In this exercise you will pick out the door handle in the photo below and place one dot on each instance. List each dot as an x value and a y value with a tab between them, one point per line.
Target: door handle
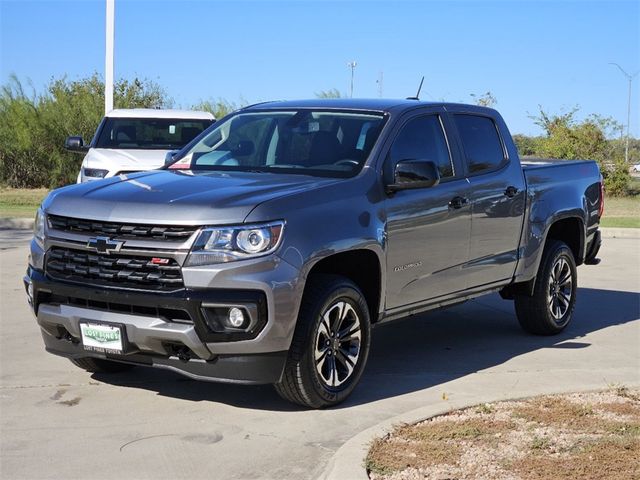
511	191
458	202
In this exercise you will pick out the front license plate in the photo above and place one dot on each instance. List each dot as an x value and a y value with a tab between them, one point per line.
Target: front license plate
99	337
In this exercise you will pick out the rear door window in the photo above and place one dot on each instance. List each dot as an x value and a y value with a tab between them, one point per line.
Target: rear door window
481	142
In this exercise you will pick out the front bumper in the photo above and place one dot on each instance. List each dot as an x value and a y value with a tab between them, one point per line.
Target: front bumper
245	369
186	346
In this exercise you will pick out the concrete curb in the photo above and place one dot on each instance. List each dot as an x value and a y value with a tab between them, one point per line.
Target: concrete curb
349	460
620	232
16	223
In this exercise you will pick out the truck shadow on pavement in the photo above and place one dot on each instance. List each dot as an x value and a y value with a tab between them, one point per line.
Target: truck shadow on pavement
418	353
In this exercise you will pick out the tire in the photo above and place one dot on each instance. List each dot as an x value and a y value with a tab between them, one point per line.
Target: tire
322	369
549	310
98	365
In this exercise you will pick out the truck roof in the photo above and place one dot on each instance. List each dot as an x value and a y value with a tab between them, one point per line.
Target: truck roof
372	104
160	113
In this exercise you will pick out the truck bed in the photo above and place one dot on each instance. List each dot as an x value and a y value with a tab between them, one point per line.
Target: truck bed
532	163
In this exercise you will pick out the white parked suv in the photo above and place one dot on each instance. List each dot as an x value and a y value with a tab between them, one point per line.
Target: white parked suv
131	140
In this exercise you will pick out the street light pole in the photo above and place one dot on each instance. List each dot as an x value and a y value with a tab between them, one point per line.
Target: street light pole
353	66
108	57
630	79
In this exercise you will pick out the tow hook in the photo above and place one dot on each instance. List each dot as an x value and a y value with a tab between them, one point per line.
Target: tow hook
184	355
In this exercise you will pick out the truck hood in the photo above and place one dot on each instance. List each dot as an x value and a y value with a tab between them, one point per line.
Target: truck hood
115	159
177	197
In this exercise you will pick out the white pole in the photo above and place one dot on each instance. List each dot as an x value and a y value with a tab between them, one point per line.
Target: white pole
630	78
108	58
352	65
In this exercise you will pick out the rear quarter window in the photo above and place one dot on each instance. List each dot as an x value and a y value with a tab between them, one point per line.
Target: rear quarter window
481	142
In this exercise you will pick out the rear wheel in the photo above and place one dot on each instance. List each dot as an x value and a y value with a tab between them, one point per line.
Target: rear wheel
98	365
549	310
330	346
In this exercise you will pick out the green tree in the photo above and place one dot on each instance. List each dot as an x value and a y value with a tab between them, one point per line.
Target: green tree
218	107
33	127
331	93
485	100
568	138
527	146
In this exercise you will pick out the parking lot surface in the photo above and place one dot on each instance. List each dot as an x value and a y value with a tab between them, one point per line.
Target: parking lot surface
57	421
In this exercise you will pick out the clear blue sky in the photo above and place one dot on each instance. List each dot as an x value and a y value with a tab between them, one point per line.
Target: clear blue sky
526	53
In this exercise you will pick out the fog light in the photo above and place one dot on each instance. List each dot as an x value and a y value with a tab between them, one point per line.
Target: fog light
236	317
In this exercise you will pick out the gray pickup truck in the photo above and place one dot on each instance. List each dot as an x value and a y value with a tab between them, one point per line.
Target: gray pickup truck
275	240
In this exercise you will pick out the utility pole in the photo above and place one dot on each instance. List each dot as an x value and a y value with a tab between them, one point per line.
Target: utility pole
108	57
352	65
630	79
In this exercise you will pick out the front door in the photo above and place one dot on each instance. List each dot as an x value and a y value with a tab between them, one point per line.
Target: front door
428	229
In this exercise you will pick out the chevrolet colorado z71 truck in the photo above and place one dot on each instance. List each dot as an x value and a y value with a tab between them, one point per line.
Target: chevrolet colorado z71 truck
277	238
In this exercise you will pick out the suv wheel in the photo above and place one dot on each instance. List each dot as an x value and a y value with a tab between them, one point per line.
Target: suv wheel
330	346
550	308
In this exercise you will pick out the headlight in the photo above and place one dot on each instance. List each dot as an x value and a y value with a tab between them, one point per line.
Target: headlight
227	244
94	172
38	227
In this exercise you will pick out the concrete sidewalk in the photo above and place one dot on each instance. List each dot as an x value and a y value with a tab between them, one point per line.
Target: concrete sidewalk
61	422
579	372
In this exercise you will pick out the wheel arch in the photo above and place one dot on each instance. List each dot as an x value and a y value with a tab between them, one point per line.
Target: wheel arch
569	229
363	267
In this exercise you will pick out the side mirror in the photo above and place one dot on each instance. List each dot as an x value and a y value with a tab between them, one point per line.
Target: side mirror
414	174
244	148
170	156
75	144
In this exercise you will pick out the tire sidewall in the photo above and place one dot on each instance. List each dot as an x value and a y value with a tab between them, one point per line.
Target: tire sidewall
559	250
353	296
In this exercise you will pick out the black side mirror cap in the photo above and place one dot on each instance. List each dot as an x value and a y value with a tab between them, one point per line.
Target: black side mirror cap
414	174
75	144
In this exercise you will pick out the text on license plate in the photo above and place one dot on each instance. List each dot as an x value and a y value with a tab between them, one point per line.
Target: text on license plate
100	337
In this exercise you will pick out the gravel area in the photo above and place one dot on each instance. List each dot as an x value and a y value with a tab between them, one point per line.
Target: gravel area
584	435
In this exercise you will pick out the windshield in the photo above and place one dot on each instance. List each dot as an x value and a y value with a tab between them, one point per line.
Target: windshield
322	143
149	133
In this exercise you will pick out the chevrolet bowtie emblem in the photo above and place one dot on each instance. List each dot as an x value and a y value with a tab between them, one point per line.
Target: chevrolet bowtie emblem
104	245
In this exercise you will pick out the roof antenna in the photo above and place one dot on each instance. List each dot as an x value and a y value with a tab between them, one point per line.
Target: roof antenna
417	97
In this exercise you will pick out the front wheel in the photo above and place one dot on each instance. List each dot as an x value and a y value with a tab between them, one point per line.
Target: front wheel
549	310
330	345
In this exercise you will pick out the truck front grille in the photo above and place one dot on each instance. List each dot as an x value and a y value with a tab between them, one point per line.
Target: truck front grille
170	314
114	270
121	230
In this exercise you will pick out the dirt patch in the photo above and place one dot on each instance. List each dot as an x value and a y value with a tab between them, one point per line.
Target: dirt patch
586	436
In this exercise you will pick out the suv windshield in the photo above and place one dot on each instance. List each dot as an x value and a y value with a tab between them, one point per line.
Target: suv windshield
149	133
323	143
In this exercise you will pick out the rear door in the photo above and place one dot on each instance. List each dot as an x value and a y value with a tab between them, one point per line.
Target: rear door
497	197
427	229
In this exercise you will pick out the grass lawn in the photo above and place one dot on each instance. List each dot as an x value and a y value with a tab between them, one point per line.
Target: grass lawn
20	202
621	212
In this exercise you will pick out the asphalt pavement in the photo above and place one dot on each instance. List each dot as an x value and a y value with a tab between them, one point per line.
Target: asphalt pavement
57	421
